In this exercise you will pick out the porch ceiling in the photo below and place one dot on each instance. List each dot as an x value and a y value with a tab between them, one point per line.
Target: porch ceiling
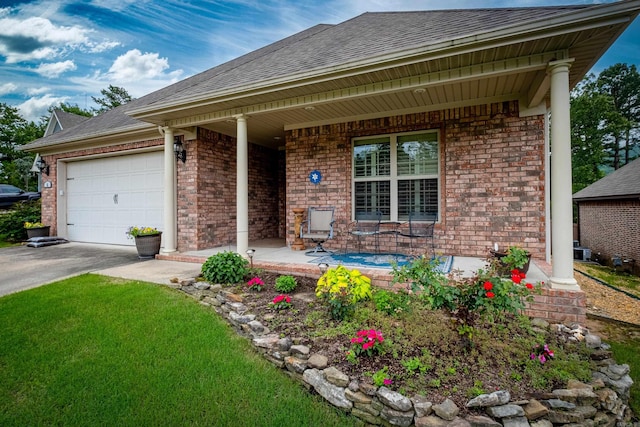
424	81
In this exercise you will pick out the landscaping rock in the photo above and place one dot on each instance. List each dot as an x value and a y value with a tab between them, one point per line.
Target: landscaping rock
576	395
515	422
238	307
505	411
542	423
335	376
558	404
317	361
431	421
200	285
300	351
446	410
241	319
284	344
332	393
266	341
397	418
394	400
357	397
258	328
500	397
459	422
622	386
366	416
480	421
368	389
592	341
295	364
534	410
421	405
565	417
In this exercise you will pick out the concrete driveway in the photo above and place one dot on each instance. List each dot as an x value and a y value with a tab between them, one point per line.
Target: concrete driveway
23	268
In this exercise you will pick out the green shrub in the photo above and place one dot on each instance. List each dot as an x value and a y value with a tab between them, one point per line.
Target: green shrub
12	221
225	268
286	284
343	288
391	303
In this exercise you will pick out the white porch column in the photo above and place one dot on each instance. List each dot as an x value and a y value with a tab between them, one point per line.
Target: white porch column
169	233
242	186
561	203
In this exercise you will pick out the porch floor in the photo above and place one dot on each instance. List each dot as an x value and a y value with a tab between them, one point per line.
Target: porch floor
274	255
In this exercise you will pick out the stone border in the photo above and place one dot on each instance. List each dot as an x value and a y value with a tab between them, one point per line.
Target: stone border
602	402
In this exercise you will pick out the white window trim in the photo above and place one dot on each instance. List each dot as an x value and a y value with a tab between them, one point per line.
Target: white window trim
394	178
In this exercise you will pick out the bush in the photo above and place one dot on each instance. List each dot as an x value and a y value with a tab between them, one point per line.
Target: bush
343	288
225	268
286	284
391	303
12	222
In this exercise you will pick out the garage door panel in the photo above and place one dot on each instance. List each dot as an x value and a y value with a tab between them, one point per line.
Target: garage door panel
108	195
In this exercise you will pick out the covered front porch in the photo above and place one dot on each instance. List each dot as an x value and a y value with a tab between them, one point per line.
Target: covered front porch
274	255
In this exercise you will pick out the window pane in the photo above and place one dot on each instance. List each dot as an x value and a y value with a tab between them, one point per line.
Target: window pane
418	154
372	158
418	195
373	196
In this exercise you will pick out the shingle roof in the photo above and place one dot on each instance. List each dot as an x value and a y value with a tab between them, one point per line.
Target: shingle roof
621	184
321	47
69	120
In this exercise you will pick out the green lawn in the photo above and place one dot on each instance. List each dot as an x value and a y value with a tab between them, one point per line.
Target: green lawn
93	350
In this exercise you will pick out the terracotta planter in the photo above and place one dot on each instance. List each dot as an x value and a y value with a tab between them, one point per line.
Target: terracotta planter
148	246
38	231
505	269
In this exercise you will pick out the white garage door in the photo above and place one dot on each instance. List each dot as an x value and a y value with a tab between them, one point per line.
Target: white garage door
106	196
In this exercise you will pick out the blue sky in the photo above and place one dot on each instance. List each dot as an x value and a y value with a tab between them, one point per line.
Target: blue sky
67	51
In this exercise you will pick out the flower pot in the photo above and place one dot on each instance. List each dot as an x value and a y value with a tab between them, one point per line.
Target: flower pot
148	246
505	270
38	231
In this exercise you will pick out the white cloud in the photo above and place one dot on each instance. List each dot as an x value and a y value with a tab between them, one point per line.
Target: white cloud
55	69
34	108
37	90
134	65
101	47
7	88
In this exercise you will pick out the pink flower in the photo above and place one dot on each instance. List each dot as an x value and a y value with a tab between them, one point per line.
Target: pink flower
367	345
387	381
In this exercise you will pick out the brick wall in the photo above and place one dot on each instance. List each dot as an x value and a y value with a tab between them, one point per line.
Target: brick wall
207	193
611	228
492	177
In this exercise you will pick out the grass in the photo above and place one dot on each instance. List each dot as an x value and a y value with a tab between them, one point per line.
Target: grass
626	351
93	350
618	279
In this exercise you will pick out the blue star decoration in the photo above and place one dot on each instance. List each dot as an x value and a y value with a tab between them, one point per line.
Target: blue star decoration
315	177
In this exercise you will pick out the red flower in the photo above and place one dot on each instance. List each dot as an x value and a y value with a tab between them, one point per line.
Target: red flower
516	278
488	286
490	295
529	286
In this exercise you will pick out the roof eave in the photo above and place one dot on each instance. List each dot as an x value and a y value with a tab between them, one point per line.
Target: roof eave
598	16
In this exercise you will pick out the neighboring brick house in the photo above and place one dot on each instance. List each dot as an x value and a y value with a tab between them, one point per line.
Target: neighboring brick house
433	111
609	217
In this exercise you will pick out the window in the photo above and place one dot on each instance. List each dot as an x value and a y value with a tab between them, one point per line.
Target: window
396	175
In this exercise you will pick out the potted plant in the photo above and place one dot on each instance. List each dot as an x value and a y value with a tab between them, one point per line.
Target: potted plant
514	257
36	229
147	241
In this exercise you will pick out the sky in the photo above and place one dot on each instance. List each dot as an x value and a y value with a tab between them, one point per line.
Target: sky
68	50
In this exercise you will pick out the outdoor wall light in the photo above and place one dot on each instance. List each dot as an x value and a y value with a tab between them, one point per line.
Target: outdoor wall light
43	166
250	253
179	150
323	267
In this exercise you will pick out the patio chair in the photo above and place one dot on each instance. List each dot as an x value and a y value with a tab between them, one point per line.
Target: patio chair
367	224
318	227
420	226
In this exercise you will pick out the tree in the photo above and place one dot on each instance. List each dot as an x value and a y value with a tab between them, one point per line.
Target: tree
621	83
14	132
113	97
74	109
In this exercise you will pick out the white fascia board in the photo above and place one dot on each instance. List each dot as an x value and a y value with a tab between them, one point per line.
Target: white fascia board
597	16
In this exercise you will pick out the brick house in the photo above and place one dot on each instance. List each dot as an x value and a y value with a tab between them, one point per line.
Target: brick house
609	217
443	111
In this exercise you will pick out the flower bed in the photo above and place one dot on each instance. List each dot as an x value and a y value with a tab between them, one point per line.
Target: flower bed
304	340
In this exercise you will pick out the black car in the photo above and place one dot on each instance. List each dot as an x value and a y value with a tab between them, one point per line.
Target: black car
10	194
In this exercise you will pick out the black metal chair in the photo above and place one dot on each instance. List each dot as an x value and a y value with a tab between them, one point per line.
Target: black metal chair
318	227
367	224
420	226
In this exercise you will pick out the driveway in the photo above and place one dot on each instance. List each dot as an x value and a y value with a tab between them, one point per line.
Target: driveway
22	267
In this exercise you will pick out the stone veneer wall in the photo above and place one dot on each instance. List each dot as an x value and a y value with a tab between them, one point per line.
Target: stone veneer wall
611	227
492	175
602	402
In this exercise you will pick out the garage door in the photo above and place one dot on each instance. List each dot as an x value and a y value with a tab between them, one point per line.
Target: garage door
106	196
